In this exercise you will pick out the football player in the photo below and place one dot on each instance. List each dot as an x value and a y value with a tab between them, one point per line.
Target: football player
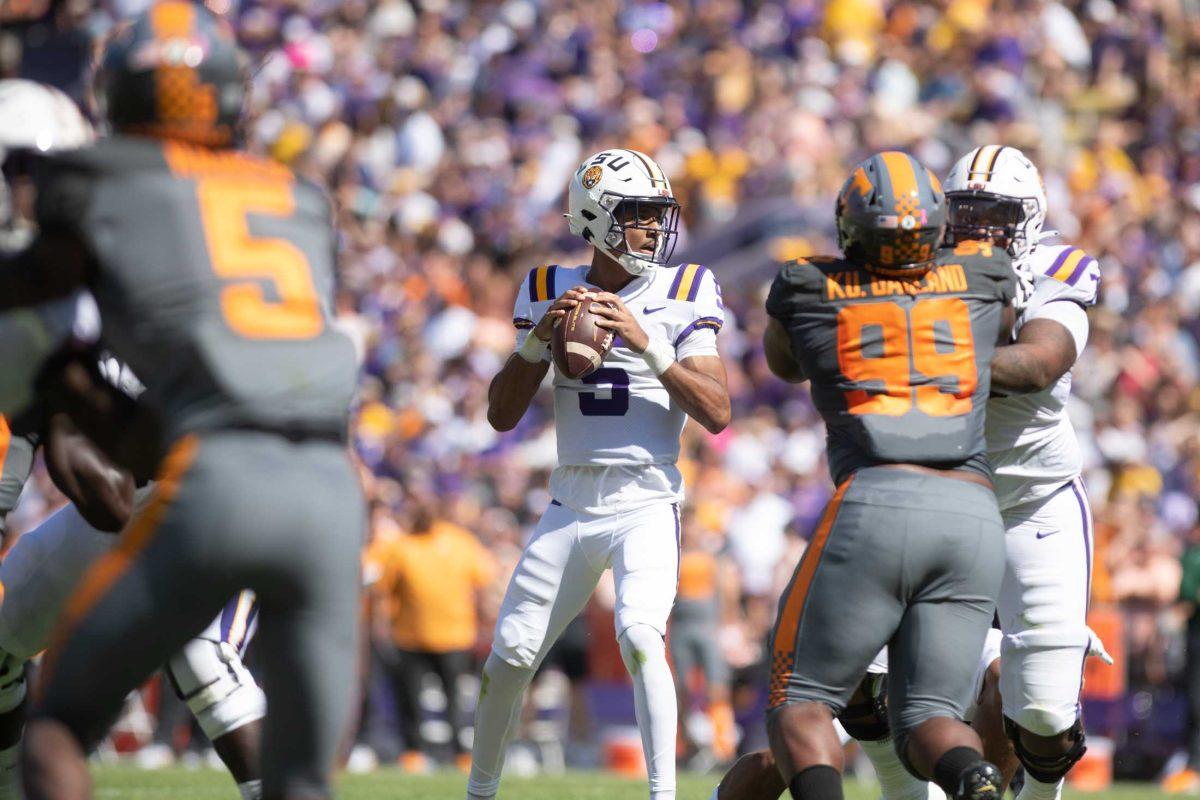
995	195
616	490
896	338
42	569
213	273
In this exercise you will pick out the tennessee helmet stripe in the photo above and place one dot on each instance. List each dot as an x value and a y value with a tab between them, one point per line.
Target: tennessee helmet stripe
902	176
788	627
1069	264
683	282
172	19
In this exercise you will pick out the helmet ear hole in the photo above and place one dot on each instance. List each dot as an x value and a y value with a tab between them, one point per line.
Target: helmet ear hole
588	215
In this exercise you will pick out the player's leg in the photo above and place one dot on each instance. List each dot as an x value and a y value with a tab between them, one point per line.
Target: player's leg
866	721
988	722
126	618
38	575
645	562
209	676
550	586
1043	612
955	568
842	605
305	521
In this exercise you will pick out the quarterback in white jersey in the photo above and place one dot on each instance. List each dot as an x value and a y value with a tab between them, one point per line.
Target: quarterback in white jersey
616	490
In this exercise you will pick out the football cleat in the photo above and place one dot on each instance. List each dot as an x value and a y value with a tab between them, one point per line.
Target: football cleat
981	782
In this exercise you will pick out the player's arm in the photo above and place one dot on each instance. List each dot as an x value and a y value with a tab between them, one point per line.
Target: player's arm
514	386
101	491
50	268
777	346
1044	351
125	431
697	383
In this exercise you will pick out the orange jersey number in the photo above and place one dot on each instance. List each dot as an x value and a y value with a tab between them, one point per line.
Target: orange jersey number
908	350
247	261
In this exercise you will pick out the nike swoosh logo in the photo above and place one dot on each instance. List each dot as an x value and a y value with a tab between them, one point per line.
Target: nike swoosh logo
1044	534
649	310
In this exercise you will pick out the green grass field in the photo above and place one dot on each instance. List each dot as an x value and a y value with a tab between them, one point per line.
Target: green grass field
128	783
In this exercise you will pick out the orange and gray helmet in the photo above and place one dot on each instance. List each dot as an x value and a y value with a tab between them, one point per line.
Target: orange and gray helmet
174	72
891	213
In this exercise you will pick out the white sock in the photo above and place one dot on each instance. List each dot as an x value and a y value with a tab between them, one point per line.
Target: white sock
895	782
251	790
496	716
1036	790
645	657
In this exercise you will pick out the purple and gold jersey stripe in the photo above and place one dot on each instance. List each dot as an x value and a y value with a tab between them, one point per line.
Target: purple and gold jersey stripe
687	282
712	323
236	618
541	284
522	324
1070	266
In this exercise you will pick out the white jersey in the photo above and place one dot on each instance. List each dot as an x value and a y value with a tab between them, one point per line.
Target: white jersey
1031	442
617	428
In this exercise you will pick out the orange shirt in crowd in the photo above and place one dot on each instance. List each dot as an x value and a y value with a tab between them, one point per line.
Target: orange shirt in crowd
431	581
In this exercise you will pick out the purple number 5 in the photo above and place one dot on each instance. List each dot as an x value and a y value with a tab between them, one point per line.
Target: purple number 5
616	381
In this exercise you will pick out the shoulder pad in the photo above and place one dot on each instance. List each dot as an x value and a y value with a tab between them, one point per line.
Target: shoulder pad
539	286
1070	272
686	283
801	282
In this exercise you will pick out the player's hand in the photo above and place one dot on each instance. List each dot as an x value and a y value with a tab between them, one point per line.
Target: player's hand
558	309
1096	648
618	319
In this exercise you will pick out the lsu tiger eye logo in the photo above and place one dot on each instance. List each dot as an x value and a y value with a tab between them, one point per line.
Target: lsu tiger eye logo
591	176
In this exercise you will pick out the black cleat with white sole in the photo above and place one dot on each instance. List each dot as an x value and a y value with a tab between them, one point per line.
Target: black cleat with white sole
981	782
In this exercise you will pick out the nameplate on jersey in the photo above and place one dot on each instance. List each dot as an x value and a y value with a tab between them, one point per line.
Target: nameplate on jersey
849	285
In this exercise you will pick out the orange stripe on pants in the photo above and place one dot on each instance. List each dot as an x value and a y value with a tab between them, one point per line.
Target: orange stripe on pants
105	573
788	626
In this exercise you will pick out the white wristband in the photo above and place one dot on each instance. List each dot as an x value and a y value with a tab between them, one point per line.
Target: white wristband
533	349
659	356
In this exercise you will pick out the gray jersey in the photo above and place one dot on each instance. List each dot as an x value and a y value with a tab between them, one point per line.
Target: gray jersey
899	366
214	274
18	442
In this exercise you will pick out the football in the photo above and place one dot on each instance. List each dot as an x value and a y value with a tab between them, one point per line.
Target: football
579	345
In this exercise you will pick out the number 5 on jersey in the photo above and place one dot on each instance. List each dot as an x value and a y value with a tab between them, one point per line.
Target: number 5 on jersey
247	261
907	362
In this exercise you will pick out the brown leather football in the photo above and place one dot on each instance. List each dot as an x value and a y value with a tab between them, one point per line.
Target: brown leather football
579	345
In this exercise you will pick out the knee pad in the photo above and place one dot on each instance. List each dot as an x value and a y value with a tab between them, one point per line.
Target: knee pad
1048	769
1045	721
640	644
868	721
218	689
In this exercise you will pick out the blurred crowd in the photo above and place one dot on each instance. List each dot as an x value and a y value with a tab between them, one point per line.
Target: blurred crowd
446	130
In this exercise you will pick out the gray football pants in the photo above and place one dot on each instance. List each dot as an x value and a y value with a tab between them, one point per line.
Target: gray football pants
903	559
230	510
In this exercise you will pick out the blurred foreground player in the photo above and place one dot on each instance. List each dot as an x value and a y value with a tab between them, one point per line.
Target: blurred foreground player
41	571
896	337
616	490
213	272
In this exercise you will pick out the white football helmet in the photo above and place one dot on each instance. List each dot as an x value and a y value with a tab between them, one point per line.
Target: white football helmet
615	191
996	192
34	119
